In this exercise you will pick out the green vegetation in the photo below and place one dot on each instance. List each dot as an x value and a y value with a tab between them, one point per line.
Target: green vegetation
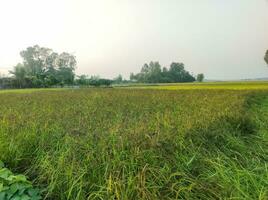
153	73
266	57
41	67
150	73
200	77
140	144
95	81
16	186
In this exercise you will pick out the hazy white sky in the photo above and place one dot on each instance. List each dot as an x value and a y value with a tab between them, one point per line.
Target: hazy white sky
225	39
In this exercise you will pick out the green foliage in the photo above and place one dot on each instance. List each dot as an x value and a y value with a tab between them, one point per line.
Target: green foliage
20	74
200	77
7	82
100	82
16	187
138	144
266	57
82	80
153	73
118	79
93	81
42	67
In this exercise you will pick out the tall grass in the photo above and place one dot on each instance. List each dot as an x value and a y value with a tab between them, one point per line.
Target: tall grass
137	144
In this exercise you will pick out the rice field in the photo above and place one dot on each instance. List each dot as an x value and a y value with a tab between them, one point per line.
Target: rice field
205	141
246	85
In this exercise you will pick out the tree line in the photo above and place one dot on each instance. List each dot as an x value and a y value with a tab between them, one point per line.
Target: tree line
154	73
42	67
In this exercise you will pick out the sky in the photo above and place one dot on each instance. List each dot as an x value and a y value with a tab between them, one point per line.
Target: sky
225	40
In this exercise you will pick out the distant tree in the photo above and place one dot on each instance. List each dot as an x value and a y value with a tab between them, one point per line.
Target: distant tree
82	80
42	67
20	73
143	75
153	73
51	70
66	64
165	76
34	62
4	81
145	68
105	82
200	77
266	57
132	77
118	79
7	82
94	81
178	74
149	73
100	82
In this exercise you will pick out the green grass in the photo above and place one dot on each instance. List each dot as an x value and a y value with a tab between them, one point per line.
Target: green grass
139	144
30	90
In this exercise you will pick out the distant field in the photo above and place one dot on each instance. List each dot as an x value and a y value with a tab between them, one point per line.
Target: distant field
207	85
17	91
135	143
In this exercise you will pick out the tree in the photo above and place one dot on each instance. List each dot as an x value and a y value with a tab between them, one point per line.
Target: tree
178	74
7	82
82	80
96	81
143	76
153	73
20	74
200	77
42	67
132	77
34	60
51	69
65	64
176	71
105	82
118	79
149	73
266	57
165	76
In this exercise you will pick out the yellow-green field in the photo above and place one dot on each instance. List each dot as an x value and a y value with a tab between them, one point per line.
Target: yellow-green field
184	141
249	85
17	91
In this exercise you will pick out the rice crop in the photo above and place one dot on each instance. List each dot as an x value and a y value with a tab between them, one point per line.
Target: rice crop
138	144
246	85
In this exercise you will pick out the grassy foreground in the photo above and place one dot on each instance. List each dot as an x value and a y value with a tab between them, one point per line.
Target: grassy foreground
138	144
